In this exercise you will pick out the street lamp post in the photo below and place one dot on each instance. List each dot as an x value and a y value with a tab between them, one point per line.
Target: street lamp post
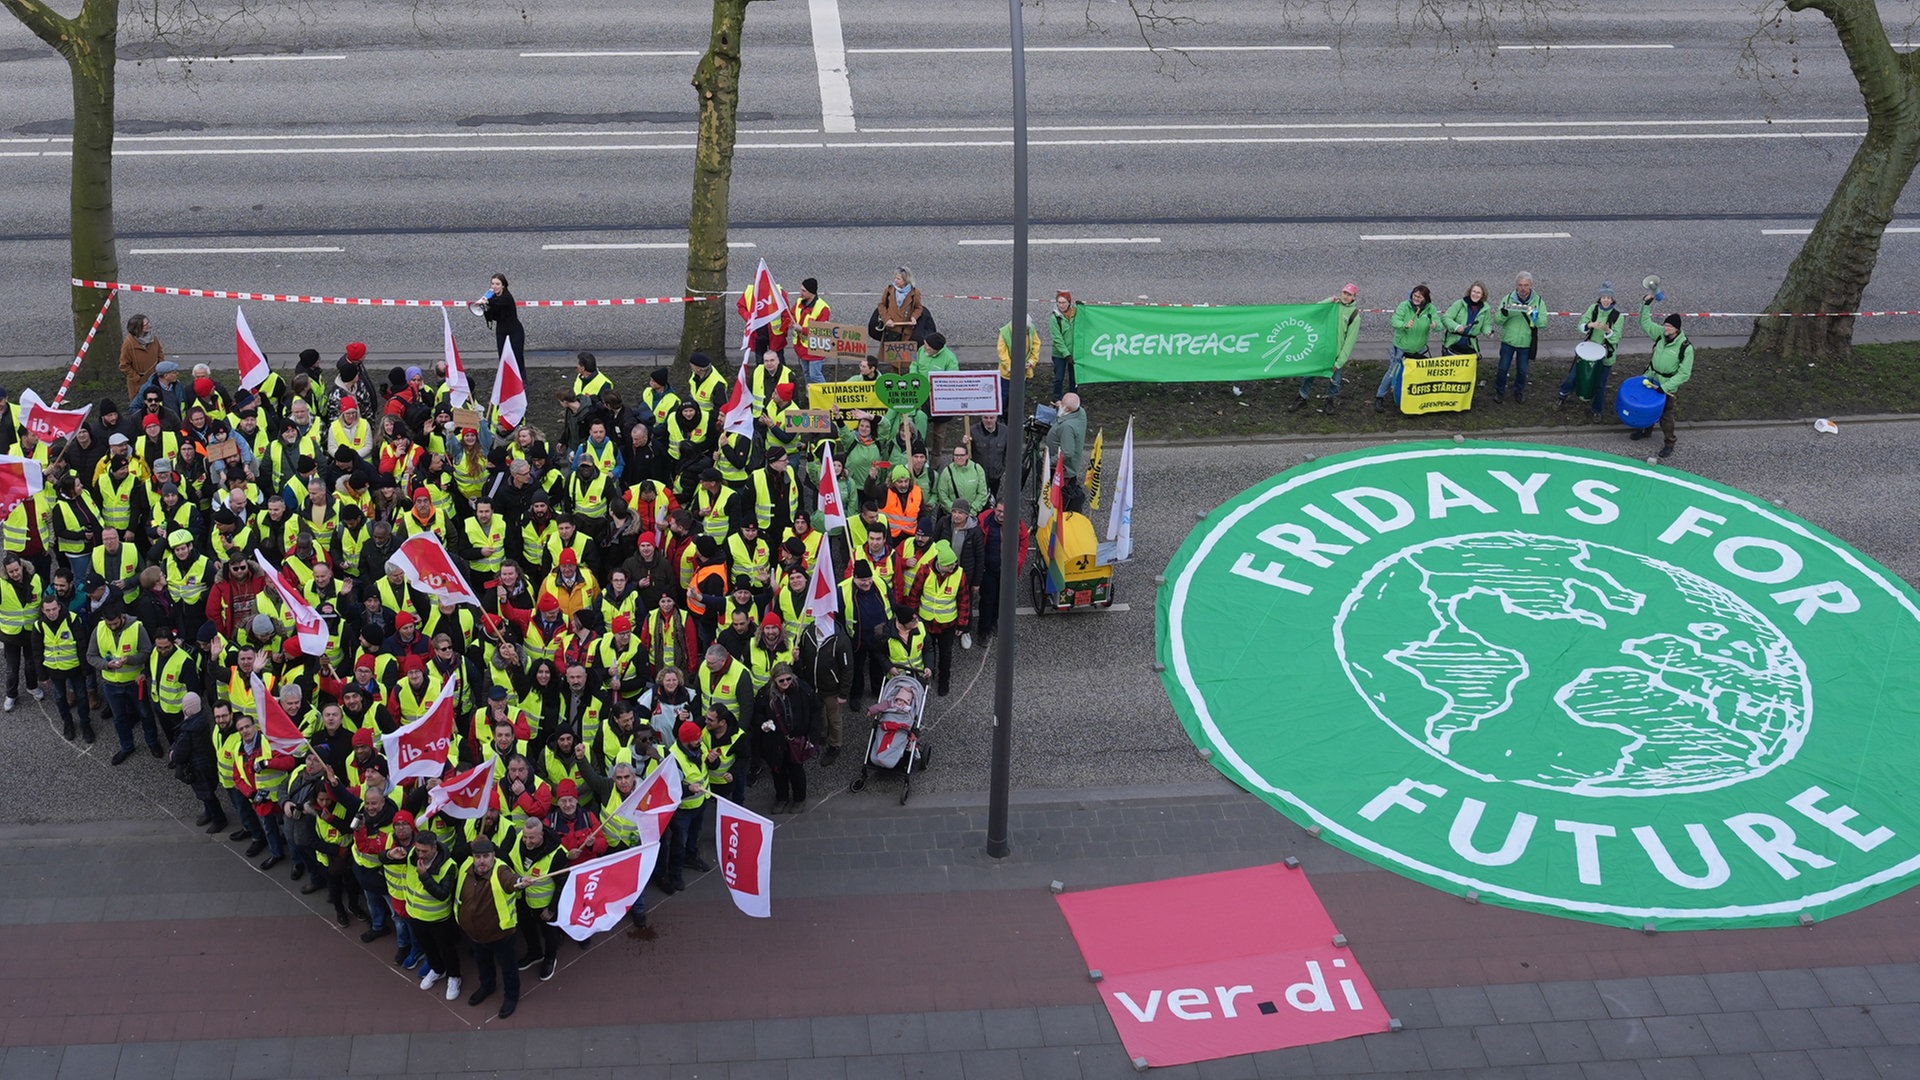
998	785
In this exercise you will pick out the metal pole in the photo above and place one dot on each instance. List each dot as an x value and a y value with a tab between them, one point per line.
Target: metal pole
1001	777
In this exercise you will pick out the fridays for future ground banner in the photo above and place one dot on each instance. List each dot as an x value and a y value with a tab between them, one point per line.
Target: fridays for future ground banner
1215	344
1569	681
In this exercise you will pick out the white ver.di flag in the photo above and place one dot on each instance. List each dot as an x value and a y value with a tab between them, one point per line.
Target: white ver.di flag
1118	545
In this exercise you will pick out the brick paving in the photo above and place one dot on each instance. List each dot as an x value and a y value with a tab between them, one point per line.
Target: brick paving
898	950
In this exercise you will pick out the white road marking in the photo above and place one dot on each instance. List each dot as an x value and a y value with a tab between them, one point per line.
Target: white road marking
610	52
1808	232
248	59
1065	240
651	245
236	251
830	56
1100	49
1423	125
1559	47
1469	236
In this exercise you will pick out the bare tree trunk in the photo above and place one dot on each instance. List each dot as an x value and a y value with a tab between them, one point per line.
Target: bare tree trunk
717	82
1834	265
87	42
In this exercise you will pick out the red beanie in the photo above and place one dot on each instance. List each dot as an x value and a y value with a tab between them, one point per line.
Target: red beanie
689	731
363	737
347	402
622	624
356	351
203	386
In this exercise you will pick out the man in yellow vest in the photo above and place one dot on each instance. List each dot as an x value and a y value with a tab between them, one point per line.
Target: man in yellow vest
19	604
60	633
169	672
118	649
430	874
683	829
943	594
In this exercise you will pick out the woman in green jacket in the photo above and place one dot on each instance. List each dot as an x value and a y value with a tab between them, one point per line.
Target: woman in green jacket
1465	321
1601	324
1412	328
1349	333
1063	312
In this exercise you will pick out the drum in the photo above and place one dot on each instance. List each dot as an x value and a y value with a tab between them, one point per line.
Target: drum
1639	403
1586	368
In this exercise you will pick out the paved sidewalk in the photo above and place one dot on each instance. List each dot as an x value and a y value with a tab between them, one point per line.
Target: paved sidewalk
143	949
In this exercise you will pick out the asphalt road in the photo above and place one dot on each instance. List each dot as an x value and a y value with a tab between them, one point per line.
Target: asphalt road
430	144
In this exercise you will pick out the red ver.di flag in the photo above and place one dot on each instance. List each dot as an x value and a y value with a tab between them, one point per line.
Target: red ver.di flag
19	481
509	390
429	568
462	795
1248	966
310	628
46	422
276	726
745	843
247	355
833	511
653	801
599	891
420	749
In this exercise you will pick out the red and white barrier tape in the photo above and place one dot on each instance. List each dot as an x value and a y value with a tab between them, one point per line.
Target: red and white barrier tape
85	344
635	301
293	298
1719	314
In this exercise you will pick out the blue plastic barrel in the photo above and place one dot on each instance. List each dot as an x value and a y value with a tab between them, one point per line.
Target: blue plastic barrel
1639	402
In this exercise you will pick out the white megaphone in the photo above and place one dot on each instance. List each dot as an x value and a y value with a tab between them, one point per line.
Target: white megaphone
1652	284
479	307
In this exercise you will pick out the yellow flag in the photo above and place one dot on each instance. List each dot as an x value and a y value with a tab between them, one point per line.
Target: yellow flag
1093	469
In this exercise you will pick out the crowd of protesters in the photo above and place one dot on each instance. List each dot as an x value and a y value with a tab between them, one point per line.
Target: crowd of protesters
644	582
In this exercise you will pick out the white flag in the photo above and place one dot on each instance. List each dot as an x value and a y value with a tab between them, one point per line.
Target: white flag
823	594
420	749
309	627
459	390
1046	477
427	565
744	841
653	801
1118	545
509	388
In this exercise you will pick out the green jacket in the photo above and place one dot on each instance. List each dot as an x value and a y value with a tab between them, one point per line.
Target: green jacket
1672	360
924	361
1454	323
1519	320
1062	335
1610	337
1068	439
958	482
1349	317
1411	328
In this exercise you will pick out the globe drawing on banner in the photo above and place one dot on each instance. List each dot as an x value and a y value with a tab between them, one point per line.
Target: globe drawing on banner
1561	680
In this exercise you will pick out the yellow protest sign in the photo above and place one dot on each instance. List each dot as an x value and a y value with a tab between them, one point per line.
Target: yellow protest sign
1438	384
844	397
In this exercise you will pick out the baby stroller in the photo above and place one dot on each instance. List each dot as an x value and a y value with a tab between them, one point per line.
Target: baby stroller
894	744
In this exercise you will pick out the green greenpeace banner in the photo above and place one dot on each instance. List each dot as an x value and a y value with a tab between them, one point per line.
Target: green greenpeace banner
1221	344
1567	681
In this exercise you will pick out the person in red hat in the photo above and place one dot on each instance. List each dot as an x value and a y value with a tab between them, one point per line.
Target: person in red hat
406	640
683	829
350	430
423	516
571	585
623	657
578	828
419	687
770	647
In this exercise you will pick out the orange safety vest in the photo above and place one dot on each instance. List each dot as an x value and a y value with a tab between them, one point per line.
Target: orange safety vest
695	603
902	520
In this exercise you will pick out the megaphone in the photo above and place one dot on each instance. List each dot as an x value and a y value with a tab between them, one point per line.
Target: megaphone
1651	283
